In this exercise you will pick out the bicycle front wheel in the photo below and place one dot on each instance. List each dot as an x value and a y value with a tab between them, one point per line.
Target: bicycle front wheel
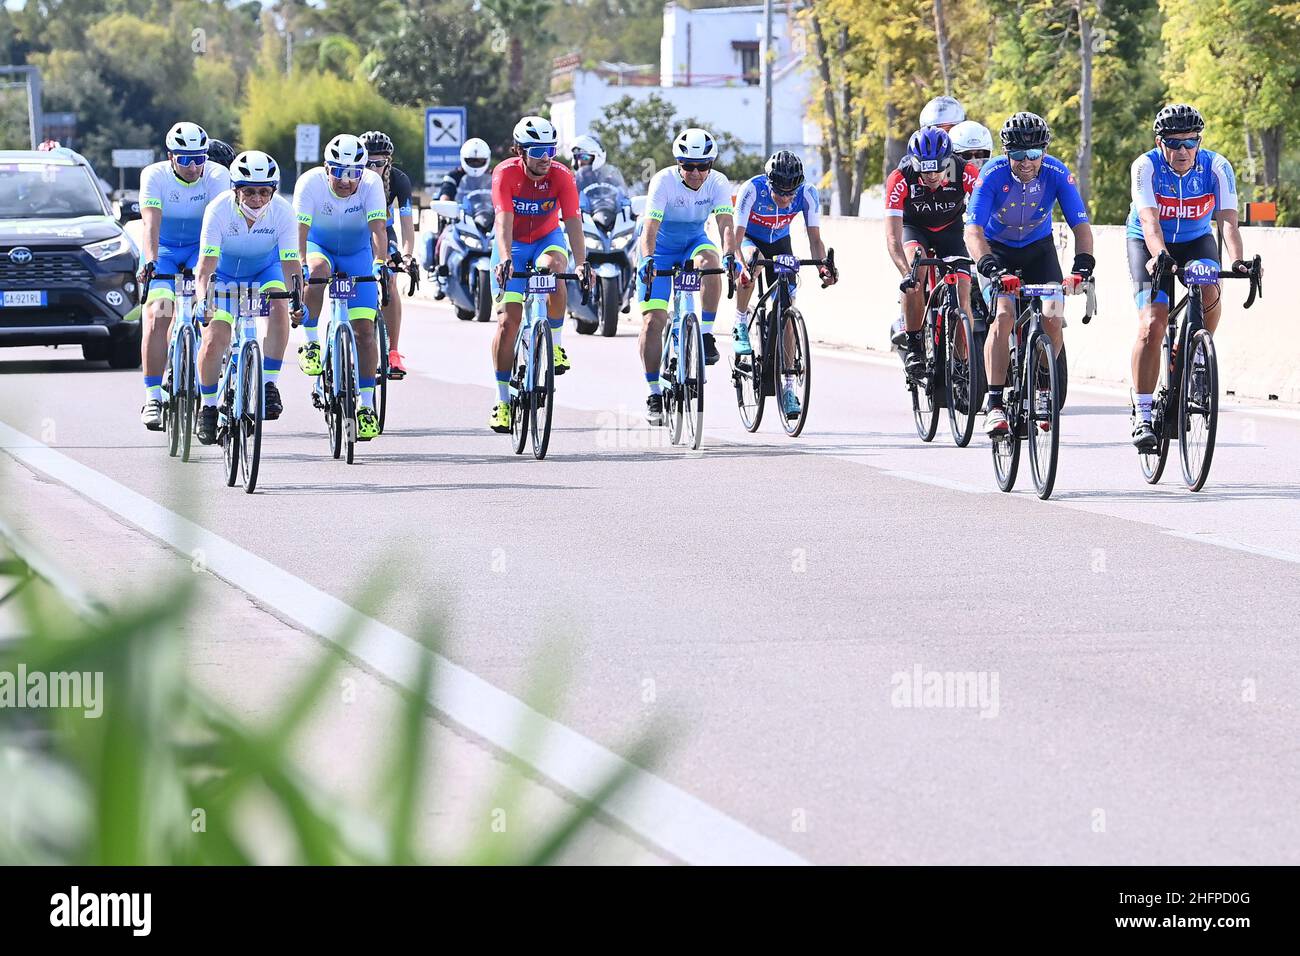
963	379
187	397
541	406
747	375
691	410
346	418
793	368
229	433
1044	415
1198	409
172	407
250	418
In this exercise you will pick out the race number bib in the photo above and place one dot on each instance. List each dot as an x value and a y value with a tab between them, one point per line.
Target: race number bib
786	265
1200	272
543	284
686	282
187	285
343	289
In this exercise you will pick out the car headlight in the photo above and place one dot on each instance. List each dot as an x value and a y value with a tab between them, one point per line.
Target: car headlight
109	247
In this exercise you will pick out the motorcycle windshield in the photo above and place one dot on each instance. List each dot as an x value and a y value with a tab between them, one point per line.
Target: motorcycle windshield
602	196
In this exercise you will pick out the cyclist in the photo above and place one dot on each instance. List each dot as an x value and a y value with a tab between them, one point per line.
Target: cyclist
531	194
925	199
1009	227
397	192
173	195
1178	188
341	210
221	152
248	245
765	207
944	112
471	174
681	199
971	143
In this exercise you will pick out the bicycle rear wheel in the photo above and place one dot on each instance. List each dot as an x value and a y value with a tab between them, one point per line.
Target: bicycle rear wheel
541	406
795	367
747	375
250	419
1198	409
963	379
171	407
691	410
1162	417
381	372
330	402
1044	415
187	396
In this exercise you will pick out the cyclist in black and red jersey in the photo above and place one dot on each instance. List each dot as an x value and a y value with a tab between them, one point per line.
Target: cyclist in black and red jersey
925	199
397	193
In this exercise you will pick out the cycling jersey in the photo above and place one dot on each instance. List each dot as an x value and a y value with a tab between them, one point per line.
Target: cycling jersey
919	205
681	211
398	194
538	205
1186	203
340	224
758	214
243	250
181	203
1017	214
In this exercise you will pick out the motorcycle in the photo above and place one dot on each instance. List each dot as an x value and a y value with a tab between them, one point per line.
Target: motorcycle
467	242
609	230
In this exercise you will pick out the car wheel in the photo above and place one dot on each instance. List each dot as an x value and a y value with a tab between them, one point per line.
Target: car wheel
124	351
95	351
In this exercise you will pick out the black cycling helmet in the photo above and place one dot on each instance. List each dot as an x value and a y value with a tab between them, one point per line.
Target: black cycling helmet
784	171
221	152
1026	131
377	142
1178	118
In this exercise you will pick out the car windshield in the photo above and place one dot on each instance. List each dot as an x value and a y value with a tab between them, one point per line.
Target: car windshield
39	191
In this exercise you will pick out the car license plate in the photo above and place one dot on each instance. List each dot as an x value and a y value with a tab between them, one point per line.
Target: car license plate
18	300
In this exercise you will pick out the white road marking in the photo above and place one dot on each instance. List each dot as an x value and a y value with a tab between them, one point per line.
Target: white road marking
669	818
1223	541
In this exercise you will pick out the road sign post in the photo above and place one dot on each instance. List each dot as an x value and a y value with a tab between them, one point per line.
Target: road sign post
306	147
444	132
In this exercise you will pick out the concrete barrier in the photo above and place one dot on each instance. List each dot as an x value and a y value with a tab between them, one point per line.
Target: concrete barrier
1259	349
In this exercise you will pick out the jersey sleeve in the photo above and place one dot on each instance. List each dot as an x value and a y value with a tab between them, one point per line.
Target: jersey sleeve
501	200
722	204
450	183
1225	183
402	194
568	196
1143	177
812	207
745	203
376	203
970	174
895	193
210	231
980	208
286	235
150	190
1067	195
304	205
657	200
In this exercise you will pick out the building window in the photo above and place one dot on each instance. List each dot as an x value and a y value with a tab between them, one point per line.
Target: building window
748	50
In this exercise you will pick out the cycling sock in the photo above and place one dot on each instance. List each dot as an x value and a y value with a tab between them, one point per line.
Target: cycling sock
503	386
271	369
312	325
742	317
789	382
652	379
706	322
367	386
1144	407
995	396
557	326
209	393
153	388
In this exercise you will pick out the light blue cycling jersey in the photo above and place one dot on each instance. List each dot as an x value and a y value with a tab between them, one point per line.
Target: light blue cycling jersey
758	214
1015	213
243	250
181	203
340	224
682	211
1186	203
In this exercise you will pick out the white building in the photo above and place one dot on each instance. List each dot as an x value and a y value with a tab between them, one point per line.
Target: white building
709	61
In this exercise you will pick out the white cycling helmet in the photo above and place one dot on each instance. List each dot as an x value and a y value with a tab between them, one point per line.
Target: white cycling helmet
942	111
587	143
253	167
475	155
969	135
695	145
346	150
187	138
535	131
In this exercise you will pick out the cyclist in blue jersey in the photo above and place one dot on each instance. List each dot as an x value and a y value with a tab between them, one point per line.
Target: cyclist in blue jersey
1178	189
1009	229
765	207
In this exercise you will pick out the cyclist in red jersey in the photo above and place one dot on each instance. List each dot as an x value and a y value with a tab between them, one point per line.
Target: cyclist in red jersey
531	194
925	199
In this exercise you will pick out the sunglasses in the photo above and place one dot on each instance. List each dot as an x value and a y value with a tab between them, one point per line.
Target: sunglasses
378	163
784	193
197	159
695	167
262	192
343	172
1020	155
538	152
1181	143
974	154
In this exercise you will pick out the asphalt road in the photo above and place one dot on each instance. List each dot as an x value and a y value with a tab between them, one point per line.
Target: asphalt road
789	610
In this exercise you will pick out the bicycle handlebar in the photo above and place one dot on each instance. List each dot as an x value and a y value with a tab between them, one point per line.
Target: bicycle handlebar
383	286
582	278
1166	266
679	269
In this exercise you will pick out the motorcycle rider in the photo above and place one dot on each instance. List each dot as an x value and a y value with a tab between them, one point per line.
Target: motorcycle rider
474	172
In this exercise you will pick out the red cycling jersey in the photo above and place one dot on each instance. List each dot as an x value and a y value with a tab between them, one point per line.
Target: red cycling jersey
538	204
919	205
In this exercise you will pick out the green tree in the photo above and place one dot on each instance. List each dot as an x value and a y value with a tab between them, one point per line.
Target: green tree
516	19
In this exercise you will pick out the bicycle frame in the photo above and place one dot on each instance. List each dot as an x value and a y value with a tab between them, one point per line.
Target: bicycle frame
243	339
683	301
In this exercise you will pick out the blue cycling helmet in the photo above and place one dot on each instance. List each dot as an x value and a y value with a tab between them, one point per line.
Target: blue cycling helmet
929	148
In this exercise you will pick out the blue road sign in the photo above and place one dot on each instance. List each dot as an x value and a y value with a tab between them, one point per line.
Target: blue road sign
444	132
